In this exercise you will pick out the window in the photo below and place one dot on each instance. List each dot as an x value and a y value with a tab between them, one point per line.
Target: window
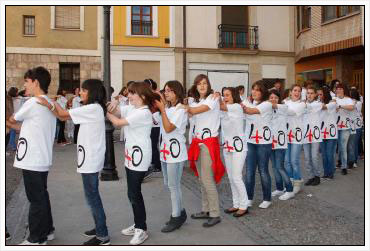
28	25
141	20
319	77
303	17
69	76
67	17
333	12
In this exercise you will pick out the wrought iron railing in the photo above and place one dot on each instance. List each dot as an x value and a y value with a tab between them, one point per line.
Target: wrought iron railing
139	27
238	36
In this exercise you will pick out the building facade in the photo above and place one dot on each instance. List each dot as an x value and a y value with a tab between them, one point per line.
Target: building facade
233	45
330	44
64	39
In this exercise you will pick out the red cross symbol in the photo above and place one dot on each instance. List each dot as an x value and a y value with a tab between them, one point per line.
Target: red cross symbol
128	157
228	147
310	136
257	137
165	152
342	125
273	142
290	136
325	133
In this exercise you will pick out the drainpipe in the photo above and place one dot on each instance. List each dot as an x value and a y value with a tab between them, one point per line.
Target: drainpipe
184	46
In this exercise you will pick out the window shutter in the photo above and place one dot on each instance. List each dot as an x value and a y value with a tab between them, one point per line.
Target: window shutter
67	17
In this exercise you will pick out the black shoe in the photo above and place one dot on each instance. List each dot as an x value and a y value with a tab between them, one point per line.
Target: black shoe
344	171
330	177
96	242
90	233
212	221
183	216
7	236
200	215
324	177
309	182
350	165
316	181
173	224
148	174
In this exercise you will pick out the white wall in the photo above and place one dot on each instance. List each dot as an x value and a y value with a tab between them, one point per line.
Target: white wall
201	26
166	59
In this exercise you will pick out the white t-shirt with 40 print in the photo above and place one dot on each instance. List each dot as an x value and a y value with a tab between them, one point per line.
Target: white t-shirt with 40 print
312	124
344	116
232	127
36	138
206	124
258	126
172	146
295	113
91	137
138	145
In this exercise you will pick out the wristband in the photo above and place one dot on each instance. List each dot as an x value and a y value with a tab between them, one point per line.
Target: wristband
52	107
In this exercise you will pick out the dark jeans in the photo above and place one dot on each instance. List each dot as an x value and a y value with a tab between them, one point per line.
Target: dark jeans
154	136
91	189
327	147
281	176
134	180
258	156
40	220
75	133
61	137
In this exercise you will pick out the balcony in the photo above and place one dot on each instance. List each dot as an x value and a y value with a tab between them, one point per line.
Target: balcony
238	36
139	27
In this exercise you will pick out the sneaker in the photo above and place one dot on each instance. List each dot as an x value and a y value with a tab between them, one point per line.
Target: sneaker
316	181
265	204
249	203
51	236
309	182
287	196
212	221
27	243
344	172
139	237
354	165
96	242
7	236
277	193
148	174
129	231
90	233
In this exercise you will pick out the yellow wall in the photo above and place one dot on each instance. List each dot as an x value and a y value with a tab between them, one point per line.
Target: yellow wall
119	29
45	36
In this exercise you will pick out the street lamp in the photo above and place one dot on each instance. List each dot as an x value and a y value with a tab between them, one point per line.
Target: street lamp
109	171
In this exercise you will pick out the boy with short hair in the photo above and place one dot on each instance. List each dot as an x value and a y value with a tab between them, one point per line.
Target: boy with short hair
34	154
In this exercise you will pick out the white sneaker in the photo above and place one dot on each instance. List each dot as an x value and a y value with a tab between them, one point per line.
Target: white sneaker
129	231
249	203
27	243
265	204
354	165
51	236
139	237
287	196
277	193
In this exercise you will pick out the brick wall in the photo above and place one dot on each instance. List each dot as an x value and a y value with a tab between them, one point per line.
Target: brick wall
18	64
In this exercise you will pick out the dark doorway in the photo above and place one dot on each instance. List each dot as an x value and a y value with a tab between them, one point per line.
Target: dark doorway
69	76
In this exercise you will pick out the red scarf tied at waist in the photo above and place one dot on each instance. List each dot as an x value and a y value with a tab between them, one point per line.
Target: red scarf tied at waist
214	151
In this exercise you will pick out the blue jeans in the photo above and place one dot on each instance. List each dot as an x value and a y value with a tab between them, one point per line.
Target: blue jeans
351	145
12	144
357	143
343	136
172	173
312	159
327	147
281	176
293	161
91	188
258	155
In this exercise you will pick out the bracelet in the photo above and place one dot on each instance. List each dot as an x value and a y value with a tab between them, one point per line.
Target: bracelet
52	107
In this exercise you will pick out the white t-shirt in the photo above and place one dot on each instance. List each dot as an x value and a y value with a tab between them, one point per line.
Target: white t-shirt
232	127
206	124
258	126
156	115
191	122
304	94
172	146
312	122
62	101
17	103
295	113
279	127
138	145
344	116
358	120
36	138
76	102
329	117
91	137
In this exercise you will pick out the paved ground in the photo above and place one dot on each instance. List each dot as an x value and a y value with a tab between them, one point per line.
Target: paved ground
329	214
